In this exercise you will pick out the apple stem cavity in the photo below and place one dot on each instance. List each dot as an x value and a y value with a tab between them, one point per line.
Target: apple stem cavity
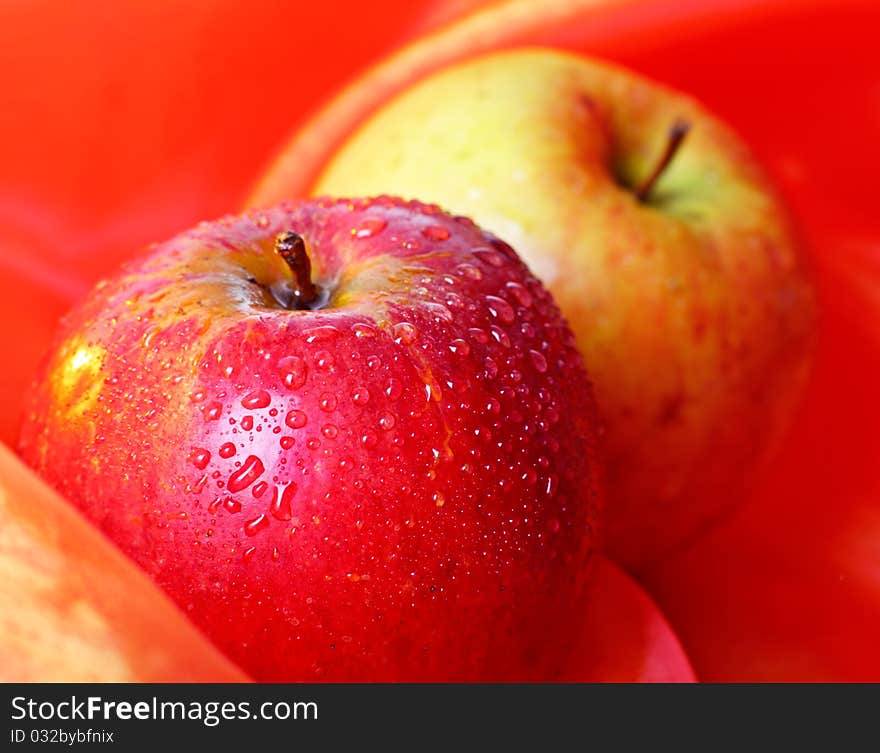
292	248
677	132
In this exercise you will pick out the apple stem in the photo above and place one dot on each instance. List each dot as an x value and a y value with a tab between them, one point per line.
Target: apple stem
292	248
677	132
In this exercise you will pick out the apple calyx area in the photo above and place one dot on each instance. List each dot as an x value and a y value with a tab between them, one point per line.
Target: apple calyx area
303	294
677	132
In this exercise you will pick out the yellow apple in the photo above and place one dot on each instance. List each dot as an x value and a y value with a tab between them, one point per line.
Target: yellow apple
687	293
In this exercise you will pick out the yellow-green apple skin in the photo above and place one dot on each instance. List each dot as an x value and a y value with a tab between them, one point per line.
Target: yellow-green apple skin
692	308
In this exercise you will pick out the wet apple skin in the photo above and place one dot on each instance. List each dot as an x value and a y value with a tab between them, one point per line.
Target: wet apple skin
414	499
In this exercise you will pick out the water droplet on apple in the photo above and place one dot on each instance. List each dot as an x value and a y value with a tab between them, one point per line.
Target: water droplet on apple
248	554
491	368
231	505
329	431
469	272
328	402
500	335
247	423
435	232
296	419
522	295
200	458
538	360
282	500
459	347
504	248
324	360
364	330
320	334
387	422
404	333
500	309
439	312
293	371
368	227
488	256
478	335
393	389
246	475
361	396
256	399
433	391
254	526
213	411
286	442
369	439
493	406
454	301
227	450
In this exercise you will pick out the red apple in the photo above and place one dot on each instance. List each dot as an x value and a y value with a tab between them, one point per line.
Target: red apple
352	439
